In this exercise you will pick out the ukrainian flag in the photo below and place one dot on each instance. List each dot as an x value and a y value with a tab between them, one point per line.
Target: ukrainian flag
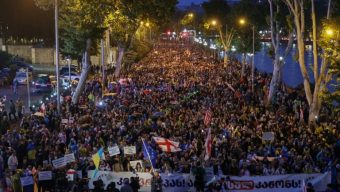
96	159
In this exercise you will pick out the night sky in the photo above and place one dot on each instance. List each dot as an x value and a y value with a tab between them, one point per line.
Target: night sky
24	19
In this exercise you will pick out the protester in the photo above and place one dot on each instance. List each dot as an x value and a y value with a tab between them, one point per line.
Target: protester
156	182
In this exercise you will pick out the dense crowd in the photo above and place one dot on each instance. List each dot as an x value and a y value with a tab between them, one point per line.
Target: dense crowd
179	84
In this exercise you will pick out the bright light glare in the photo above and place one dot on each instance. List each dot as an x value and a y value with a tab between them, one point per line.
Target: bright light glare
329	32
242	21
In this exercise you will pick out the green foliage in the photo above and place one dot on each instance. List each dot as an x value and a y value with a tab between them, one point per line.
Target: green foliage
5	59
331	45
138	50
125	19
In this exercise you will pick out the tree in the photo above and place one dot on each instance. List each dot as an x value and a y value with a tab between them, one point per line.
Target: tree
81	26
330	43
312	92
278	22
127	16
252	14
216	16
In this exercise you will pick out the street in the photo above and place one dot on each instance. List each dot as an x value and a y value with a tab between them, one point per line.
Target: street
22	92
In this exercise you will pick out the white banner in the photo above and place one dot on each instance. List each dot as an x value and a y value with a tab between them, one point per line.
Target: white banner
130	150
185	182
108	176
45	175
113	150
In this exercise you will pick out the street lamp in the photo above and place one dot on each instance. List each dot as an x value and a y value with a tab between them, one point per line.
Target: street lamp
147	24
243	22
214	22
57	52
191	15
329	32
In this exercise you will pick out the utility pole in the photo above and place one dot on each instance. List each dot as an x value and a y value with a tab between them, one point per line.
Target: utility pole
253	62
57	52
102	63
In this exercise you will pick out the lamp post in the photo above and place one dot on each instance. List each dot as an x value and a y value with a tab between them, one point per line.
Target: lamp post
243	22
149	27
28	89
57	52
69	69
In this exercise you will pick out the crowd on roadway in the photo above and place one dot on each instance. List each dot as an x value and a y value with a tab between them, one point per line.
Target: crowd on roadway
179	84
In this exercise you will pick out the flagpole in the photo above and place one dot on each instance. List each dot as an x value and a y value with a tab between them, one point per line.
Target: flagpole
147	152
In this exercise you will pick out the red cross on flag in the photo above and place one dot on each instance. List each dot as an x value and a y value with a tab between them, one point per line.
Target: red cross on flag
207	117
167	145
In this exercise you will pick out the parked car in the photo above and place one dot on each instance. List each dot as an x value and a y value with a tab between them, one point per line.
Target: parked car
74	76
21	77
65	70
42	84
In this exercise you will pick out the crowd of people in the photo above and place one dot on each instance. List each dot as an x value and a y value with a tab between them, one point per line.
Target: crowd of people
179	84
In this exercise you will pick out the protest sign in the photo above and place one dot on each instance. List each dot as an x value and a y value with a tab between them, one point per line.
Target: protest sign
69	158
133	164
57	163
113	150
45	175
130	150
268	136
25	181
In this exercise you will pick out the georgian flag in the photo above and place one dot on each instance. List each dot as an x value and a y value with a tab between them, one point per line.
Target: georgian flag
208	144
207	117
167	145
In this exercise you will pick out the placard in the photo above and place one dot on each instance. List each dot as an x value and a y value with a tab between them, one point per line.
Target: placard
45	175
130	150
64	121
113	150
134	163
69	158
25	181
57	163
268	136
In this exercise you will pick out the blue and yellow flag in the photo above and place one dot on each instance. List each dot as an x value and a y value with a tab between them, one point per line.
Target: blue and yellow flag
96	159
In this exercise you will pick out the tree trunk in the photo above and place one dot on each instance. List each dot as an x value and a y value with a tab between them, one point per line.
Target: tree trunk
243	64
225	58
275	79
86	63
121	51
314	110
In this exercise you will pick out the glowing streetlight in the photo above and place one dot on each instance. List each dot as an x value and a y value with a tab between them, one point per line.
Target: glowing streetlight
191	15
214	22
329	32
147	24
242	21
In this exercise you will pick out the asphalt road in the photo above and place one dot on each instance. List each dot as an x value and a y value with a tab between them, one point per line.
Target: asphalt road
22	93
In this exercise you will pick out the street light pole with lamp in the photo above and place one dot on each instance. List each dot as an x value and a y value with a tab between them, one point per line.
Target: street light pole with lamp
57	52
243	22
226	42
